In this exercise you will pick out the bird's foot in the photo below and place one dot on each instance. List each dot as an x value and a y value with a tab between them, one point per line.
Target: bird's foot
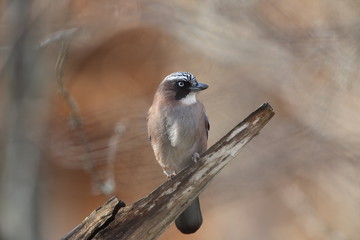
170	174
196	157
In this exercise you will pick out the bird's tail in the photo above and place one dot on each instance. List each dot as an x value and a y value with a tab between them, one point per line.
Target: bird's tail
190	220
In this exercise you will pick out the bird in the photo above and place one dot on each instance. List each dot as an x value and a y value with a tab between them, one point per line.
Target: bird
178	132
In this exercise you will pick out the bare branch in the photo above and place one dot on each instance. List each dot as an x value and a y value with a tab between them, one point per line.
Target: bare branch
97	220
64	35
74	111
89	162
150	216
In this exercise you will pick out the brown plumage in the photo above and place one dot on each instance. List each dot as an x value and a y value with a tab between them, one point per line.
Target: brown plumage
178	131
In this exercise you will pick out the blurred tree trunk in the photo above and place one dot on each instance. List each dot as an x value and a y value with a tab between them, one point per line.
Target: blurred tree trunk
24	115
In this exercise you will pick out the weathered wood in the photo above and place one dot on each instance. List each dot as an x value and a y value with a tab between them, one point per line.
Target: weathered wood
97	220
151	215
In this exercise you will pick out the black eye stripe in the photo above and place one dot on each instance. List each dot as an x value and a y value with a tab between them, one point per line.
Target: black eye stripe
182	84
181	89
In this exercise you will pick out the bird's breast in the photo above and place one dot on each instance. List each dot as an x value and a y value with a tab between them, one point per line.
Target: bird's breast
177	133
184	125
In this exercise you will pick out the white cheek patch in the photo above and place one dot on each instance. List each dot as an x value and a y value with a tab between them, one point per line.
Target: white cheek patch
189	99
173	133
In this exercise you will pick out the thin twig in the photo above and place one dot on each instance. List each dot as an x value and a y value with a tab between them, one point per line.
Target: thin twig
64	35
74	111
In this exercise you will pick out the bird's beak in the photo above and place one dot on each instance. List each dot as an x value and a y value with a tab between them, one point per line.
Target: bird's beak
198	87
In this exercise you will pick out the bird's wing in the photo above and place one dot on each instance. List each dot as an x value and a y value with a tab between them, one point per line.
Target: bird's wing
207	125
148	119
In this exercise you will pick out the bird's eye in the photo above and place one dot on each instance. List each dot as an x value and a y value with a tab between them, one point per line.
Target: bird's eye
181	83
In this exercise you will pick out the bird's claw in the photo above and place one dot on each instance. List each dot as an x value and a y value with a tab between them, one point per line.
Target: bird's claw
170	174
196	157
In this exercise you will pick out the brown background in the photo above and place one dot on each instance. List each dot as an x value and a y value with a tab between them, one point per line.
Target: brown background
297	180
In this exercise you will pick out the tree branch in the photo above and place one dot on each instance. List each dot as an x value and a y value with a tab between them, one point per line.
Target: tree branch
150	216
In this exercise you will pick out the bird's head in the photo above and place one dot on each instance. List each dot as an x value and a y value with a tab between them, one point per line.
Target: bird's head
181	86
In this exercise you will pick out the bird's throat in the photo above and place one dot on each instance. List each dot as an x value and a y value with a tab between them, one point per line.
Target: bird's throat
189	99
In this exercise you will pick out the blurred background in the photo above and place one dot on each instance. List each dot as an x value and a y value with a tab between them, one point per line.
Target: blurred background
77	79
